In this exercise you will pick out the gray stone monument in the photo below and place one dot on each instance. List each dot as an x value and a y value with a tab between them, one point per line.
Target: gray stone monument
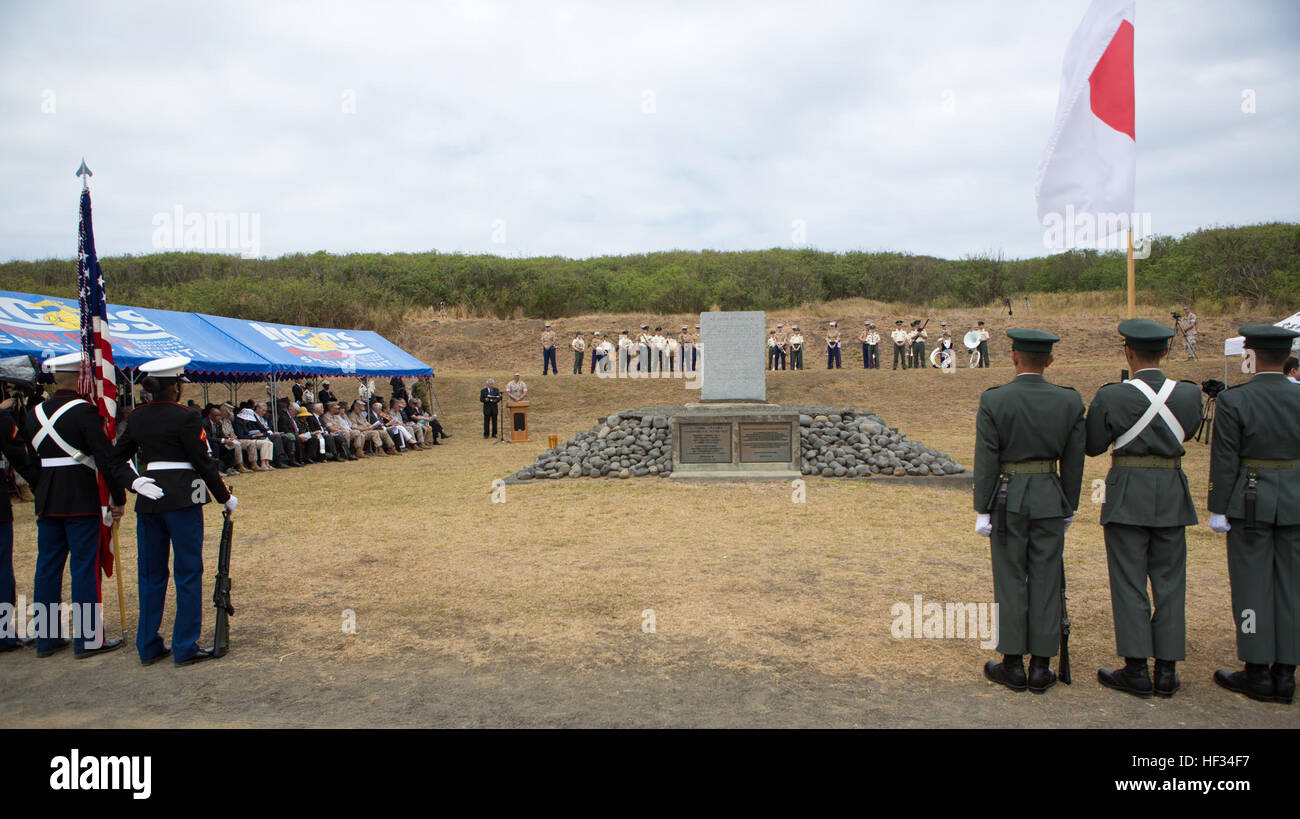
732	358
733	433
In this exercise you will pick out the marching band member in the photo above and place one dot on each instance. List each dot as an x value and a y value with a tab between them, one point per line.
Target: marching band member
176	476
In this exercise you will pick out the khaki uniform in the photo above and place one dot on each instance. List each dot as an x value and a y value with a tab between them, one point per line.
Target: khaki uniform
548	352
900	338
579	348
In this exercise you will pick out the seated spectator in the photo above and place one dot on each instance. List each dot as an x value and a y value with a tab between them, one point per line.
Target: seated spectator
227	457
404	437
317	445
299	441
336	443
415	413
249	432
420	432
285	433
376	435
337	422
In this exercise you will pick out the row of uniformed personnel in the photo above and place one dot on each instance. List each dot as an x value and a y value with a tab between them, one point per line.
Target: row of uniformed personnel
177	475
1031	440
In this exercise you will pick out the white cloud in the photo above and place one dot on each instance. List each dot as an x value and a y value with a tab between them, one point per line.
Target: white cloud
470	112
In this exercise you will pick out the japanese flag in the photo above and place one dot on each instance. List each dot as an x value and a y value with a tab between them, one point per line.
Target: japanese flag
1091	158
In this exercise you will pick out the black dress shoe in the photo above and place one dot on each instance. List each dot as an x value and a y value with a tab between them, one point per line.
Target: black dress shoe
111	644
7	647
161	655
1283	683
1166	681
446	435
199	656
1012	677
1254	681
1041	675
63	643
27	642
1131	681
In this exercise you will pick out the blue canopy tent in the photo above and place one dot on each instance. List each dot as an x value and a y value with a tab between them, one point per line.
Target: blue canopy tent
220	349
294	350
45	326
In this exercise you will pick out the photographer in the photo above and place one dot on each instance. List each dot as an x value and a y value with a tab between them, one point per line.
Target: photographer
1185	322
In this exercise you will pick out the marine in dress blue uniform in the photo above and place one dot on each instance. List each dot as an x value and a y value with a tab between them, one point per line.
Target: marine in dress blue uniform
14	452
67	433
175	478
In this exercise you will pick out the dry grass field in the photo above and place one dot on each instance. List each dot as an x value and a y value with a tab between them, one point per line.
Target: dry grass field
530	612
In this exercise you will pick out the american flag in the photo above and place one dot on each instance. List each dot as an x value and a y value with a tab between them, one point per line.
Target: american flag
98	380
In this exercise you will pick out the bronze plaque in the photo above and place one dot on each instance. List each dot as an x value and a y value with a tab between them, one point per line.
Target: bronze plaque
704	443
765	443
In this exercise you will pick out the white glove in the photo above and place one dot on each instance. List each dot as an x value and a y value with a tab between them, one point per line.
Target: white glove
146	487
232	503
983	524
1219	523
1068	521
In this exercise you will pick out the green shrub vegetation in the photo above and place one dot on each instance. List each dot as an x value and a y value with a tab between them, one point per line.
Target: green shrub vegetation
1218	266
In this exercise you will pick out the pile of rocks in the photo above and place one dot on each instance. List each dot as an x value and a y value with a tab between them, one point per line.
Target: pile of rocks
834	443
628	444
848	444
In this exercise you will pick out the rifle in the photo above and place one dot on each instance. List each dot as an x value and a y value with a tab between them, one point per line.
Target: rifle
1063	670
221	592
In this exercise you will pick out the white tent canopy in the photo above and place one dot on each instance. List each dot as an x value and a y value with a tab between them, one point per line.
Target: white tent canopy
1237	345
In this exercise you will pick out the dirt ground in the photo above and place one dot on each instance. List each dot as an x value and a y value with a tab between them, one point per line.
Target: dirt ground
531	612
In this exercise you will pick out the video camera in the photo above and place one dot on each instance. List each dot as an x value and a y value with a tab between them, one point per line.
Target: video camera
1212	387
1177	315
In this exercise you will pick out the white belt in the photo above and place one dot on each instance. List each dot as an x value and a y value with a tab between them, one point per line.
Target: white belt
157	465
67	462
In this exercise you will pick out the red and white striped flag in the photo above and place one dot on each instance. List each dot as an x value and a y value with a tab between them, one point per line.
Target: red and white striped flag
98	380
1091	160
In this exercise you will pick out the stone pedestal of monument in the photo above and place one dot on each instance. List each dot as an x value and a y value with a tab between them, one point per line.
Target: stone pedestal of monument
735	442
733	434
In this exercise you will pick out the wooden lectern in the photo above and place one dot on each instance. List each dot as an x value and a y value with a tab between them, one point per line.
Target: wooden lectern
518	411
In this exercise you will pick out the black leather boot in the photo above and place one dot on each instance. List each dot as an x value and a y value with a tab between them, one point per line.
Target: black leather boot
1283	683
1254	681
1010	672
1133	678
1166	680
1041	675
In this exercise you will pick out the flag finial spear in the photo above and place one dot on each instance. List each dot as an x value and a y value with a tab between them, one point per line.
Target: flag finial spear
85	174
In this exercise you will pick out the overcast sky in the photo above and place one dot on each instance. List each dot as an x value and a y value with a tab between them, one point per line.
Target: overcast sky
584	129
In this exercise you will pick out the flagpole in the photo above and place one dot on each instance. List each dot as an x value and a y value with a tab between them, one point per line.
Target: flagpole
1132	278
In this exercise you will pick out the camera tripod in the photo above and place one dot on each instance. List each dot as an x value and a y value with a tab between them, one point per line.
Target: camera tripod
1180	333
1206	426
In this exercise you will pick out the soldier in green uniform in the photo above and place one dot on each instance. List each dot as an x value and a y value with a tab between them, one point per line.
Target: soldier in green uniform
1255	498
1146	507
1029	441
